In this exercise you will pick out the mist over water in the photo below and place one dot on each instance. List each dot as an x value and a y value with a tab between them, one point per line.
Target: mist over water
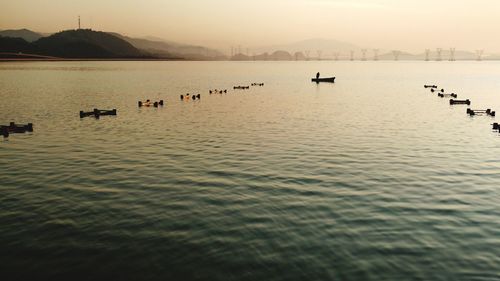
370	178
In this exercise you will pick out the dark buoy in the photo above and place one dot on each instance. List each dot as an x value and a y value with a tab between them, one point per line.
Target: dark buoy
155	104
432	90
161	102
473	112
96	113
182	97
139	103
467	101
194	97
198	96
447	95
5	132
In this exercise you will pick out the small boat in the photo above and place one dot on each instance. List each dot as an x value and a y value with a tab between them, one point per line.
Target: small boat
329	80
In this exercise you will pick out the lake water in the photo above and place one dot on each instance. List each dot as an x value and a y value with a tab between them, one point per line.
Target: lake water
370	178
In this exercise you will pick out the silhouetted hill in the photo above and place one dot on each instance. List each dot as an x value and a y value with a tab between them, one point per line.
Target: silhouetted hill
15	45
86	43
159	47
25	34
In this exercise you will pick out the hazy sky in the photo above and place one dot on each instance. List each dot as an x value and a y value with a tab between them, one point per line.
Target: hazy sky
411	25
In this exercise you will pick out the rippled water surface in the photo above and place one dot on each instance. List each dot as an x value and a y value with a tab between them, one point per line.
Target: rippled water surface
370	178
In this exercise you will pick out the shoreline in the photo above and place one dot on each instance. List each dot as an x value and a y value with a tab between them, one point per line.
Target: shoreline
93	59
34	59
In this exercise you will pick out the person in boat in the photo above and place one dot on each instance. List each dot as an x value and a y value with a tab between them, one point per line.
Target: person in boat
317	75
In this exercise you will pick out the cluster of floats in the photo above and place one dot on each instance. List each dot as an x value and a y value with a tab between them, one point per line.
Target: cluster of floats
7	130
455	101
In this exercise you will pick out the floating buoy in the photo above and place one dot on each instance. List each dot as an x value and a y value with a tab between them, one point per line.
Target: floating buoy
473	112
144	103
5	131
182	97
448	95
97	113
148	103
452	101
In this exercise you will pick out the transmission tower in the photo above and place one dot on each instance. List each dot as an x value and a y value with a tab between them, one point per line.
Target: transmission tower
427	53
352	55
479	54
452	54
396	54
375	54
79	23
438	52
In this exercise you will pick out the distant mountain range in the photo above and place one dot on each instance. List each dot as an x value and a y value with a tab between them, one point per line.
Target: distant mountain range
25	34
86	43
327	49
369	55
312	46
159	47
